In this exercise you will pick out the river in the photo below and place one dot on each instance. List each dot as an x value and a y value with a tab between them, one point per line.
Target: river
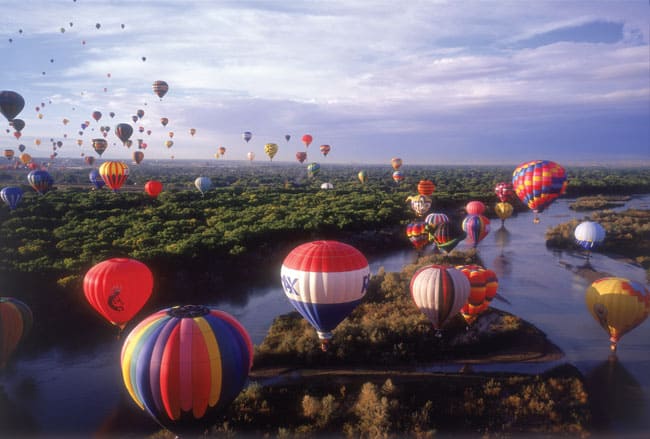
79	392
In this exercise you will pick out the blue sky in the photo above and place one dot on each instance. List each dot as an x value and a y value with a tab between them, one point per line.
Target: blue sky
435	82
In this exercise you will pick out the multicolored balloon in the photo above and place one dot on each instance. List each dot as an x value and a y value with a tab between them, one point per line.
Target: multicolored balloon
477	227
15	323
40	180
447	236
184	366
100	145
325	149
123	131
589	234
396	163
538	184
398	176
138	156
418	235
434	219
118	288
419	203
503	191
483	288
114	174
618	305
313	169
11	195
160	88
439	291
325	281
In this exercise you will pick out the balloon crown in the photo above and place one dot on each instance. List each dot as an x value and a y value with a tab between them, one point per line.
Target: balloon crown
188	311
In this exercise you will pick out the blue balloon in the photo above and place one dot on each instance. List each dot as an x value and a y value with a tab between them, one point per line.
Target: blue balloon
40	180
96	179
11	195
203	184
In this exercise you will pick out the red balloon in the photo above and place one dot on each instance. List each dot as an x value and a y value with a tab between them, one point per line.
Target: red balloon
118	288
153	188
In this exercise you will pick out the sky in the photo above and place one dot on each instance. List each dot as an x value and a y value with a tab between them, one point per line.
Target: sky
431	82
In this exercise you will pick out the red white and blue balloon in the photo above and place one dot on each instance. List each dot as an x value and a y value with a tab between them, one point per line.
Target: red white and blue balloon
325	281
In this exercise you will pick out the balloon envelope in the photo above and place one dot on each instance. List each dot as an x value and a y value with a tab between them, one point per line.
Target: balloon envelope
271	149
483	288
160	88
439	291
153	188
15	323
96	179
11	195
618	305
589	234
100	145
475	208
123	131
114	174
11	104
417	233
301	156
40	180
203	184
477	227
325	281
118	288
426	187
307	139
539	183
503	191
184	365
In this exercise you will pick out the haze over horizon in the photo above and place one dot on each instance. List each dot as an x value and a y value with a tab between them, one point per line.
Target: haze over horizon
432	82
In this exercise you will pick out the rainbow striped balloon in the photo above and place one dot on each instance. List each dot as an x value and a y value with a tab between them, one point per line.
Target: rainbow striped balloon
539	183
185	364
114	174
325	281
477	227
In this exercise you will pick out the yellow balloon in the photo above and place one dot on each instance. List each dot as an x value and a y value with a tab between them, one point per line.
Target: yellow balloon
618	305
271	149
503	210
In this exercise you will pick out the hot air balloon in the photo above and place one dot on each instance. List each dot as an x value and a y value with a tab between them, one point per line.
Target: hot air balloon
18	124
434	219
538	184
96	179
9	154
11	104
313	169
301	156
327	185
118	288
447	236
164	121
417	233
184	366
140	114
100	145
325	281
153	188
247	135
325	149
589	235
439	291
426	187
97	115
138	156
15	323
477	227
90	160
362	176
475	208
618	305
271	149
114	174
483	288
396	163
287	137
307	139
123	131
222	150
420	204
134	118
11	195
171	134
250	156
398	176
192	131
160	88
503	191
40	180
112	114
25	158
21	147
203	184
503	210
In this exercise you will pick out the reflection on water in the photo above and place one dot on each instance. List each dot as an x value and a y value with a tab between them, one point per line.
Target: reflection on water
617	400
79	391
